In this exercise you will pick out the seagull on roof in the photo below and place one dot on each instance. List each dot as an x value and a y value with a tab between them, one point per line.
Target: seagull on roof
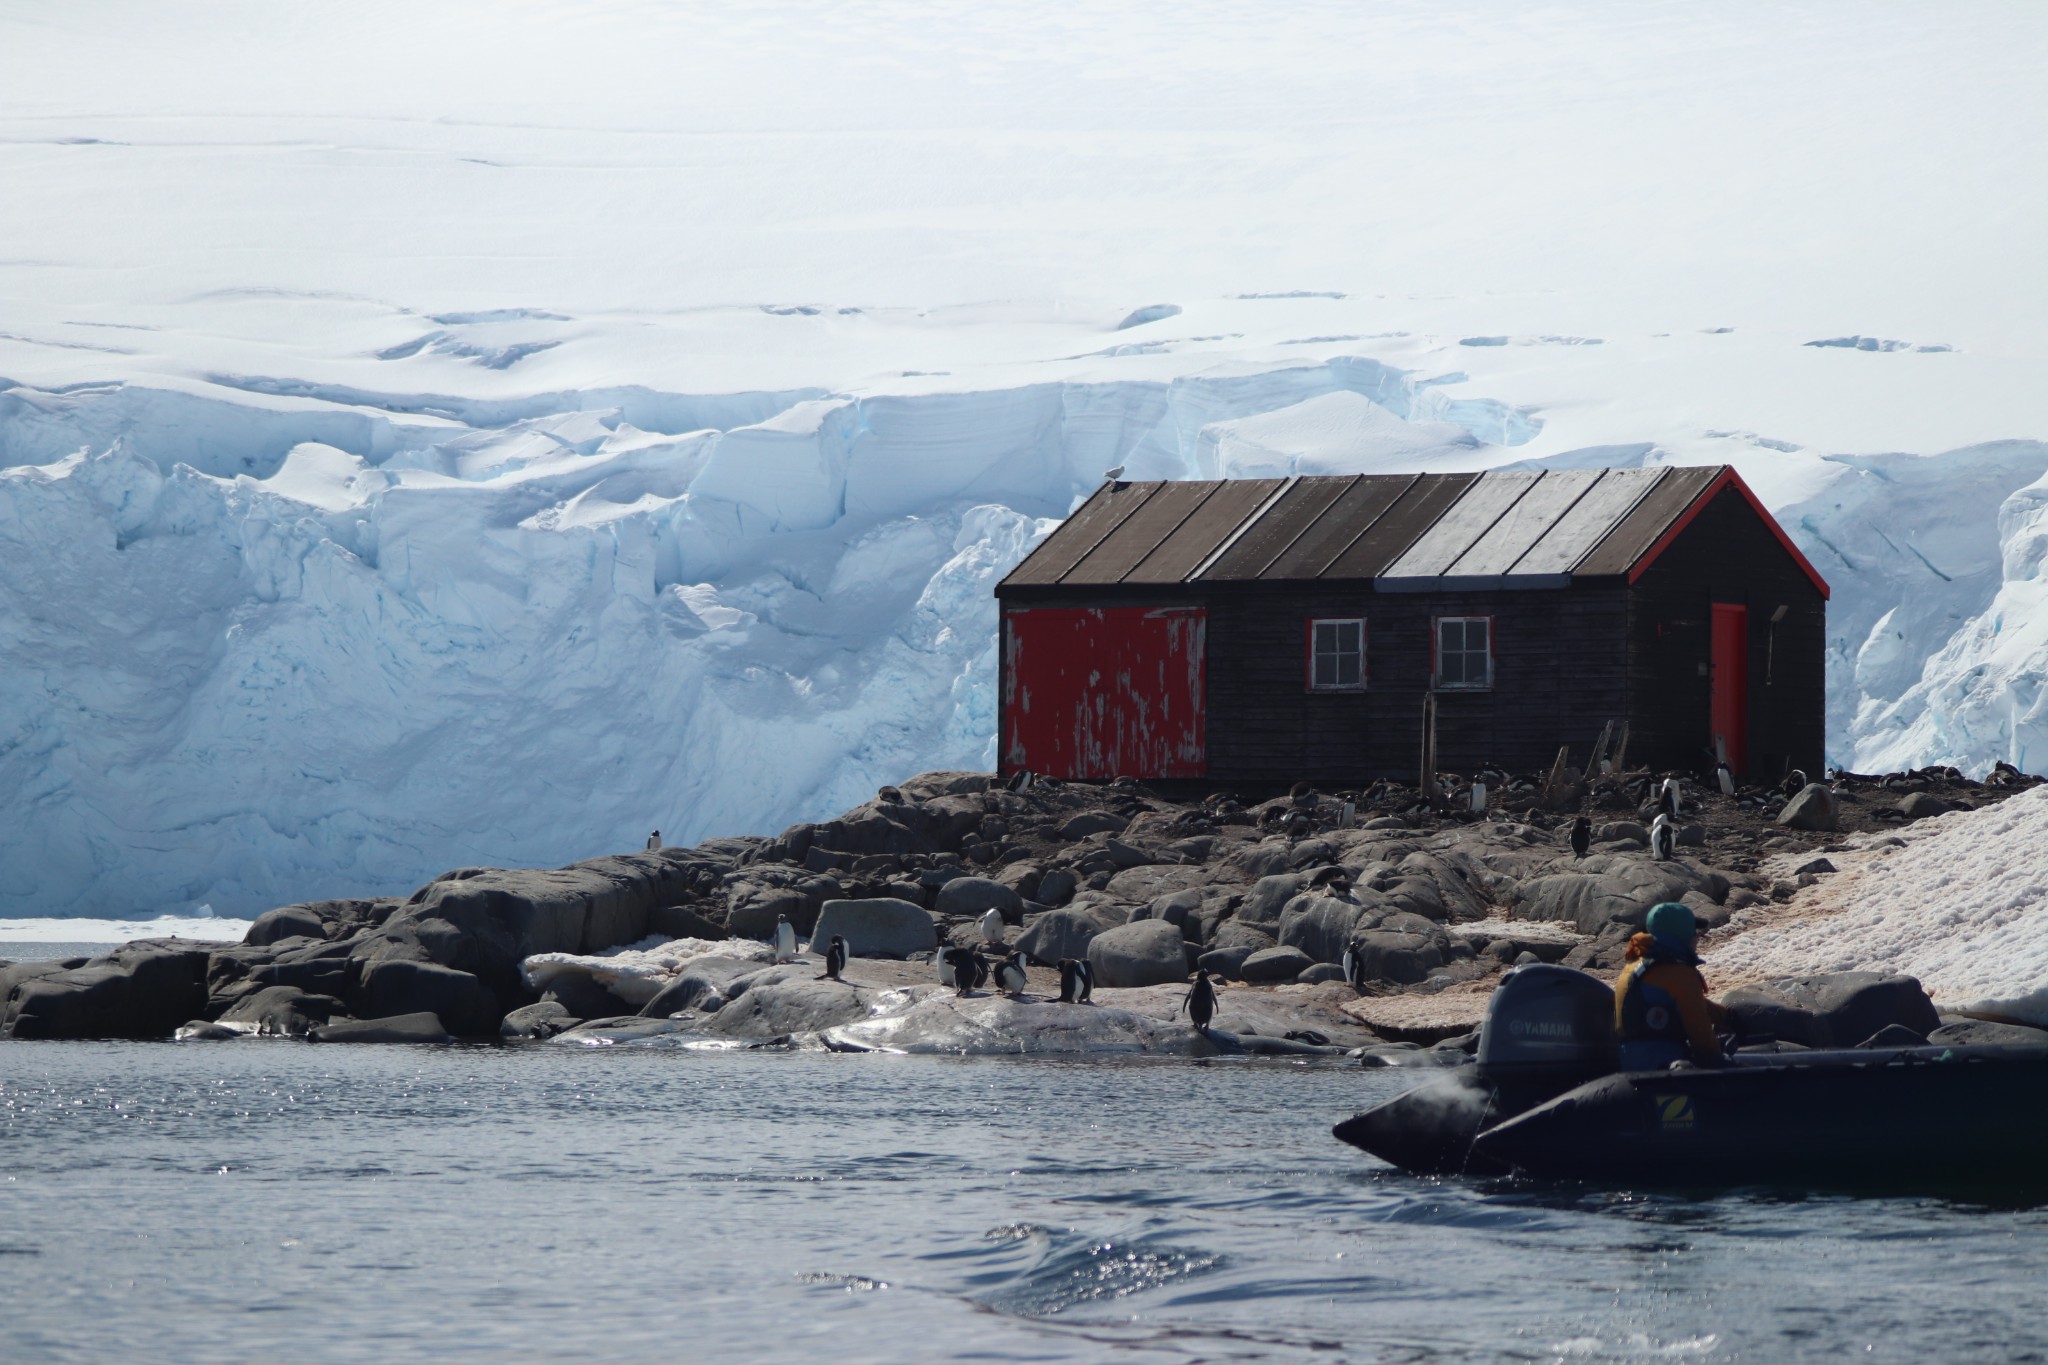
1113	474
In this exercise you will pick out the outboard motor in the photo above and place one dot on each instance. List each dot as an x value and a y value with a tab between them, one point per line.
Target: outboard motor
1547	1030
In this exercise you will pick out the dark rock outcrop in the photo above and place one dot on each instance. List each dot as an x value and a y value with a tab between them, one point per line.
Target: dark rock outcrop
1839	1009
1146	953
145	990
465	1006
401	1028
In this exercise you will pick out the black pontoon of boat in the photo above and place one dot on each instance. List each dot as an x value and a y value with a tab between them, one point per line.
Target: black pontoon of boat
1547	1099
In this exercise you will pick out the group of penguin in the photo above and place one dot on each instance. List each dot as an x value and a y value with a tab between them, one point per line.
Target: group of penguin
968	969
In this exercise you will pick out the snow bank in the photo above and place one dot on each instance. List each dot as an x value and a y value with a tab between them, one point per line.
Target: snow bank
1963	907
83	930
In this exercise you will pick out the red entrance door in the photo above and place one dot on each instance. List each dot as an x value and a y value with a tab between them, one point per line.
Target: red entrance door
1730	679
1092	693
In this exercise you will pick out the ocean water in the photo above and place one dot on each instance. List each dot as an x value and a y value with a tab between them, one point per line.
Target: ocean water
192	1202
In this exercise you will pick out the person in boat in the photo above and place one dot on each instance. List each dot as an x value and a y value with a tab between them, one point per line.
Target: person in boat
1661	1011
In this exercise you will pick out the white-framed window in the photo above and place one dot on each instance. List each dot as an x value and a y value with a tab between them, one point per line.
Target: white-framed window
1464	652
1336	654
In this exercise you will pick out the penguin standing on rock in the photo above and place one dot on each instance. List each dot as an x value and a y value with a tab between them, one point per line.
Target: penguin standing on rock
1663	839
1667	797
956	969
992	928
1354	967
1582	836
835	959
1077	981
1200	1002
785	939
654	841
1010	978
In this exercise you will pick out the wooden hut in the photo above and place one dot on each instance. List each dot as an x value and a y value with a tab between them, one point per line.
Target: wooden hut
1257	632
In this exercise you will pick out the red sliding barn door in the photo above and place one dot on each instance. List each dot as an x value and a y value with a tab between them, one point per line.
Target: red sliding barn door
1104	692
1730	706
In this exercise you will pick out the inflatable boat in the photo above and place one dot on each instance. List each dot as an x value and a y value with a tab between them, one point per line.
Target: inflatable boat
1547	1100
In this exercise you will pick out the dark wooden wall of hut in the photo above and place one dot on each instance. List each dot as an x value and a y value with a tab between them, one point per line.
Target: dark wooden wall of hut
1559	676
1727	554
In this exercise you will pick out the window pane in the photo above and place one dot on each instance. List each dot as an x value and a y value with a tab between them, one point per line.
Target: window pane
1347	637
1326	670
1347	670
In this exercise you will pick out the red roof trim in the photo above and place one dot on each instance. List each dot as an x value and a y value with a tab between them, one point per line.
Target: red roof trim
1728	478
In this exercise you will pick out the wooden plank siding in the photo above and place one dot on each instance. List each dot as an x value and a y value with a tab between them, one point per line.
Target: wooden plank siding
1726	554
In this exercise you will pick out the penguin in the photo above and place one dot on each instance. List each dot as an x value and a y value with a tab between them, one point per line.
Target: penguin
1663	839
654	841
1354	967
956	969
1023	781
1795	783
1200	1002
980	969
1070	981
1582	836
785	939
1010	978
835	959
1724	778
1667	797
992	928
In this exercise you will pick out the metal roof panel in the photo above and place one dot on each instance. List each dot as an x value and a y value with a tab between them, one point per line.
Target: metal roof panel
1575	533
1140	533
1081	532
1208	526
1282	524
1421	504
1462	526
1555	493
1652	515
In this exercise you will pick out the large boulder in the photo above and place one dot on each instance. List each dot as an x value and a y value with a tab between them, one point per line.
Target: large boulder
1274	965
465	1006
1815	807
880	927
1149	952
1056	935
701	985
145	990
978	895
1837	1009
1092	822
1057	887
1922	805
1269	896
287	921
777	1002
1612	888
1400	958
532	1023
281	1012
1154	881
401	1028
584	996
1321	925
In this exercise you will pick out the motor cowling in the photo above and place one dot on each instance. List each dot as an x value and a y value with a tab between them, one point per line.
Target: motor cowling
1547	1020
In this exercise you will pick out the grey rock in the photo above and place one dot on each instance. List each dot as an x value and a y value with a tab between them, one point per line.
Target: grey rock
775	1002
1234	933
1275	964
145	990
1984	1032
1226	963
1838	1009
1402	959
879	927
1092	822
757	906
206	1031
282	1012
683	921
699	986
531	1023
1813	808
1269	896
400	1028
1320	926
1155	880
463	1004
1317	973
287	921
1692	836
1921	805
625	1028
1147	953
978	895
1057	887
583	997
1056	935
1814	868
1619	830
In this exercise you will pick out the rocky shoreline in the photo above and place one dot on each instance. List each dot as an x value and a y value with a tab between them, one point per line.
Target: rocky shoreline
668	948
